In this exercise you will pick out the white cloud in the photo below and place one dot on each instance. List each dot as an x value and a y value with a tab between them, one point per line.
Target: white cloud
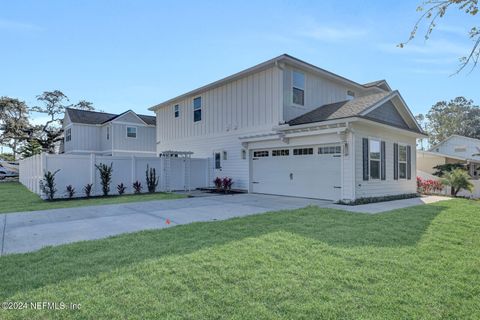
20	26
328	33
431	47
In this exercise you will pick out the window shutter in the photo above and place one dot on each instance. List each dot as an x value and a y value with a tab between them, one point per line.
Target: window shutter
365	159
409	163
395	161
382	160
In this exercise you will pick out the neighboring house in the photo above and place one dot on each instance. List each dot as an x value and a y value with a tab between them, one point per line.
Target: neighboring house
89	132
287	127
454	149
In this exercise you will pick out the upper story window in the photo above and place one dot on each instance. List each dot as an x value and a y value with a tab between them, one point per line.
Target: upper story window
131	132
176	110
197	109
350	94
68	134
402	162
108	133
298	88
374	159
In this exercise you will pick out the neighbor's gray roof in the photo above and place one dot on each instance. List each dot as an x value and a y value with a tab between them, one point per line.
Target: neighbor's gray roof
338	110
94	117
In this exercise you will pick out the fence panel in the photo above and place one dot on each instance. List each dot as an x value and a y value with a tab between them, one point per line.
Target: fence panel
80	170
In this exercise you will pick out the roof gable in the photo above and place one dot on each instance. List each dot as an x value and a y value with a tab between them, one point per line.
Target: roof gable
98	118
385	107
128	116
388	113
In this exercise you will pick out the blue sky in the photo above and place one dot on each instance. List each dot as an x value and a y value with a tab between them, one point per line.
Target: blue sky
133	54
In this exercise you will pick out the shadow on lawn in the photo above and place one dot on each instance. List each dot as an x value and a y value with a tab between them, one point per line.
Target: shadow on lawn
398	228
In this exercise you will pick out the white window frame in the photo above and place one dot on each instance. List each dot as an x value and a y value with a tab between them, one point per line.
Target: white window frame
219	160
379	160
198	108
176	111
126	132
403	161
298	87
68	135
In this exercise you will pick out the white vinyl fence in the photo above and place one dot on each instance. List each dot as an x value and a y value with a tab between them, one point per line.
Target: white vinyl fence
79	170
446	190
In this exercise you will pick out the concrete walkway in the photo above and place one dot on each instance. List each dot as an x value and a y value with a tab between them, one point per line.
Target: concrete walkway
30	231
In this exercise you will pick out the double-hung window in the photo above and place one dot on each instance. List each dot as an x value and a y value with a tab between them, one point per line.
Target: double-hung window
197	109
176	110
402	162
131	132
68	134
108	133
374	159
298	88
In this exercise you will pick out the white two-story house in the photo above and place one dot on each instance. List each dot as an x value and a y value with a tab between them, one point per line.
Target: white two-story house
287	127
90	132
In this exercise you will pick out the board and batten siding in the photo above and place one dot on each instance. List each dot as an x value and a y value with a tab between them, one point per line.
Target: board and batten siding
389	186
84	138
246	106
144	142
318	91
251	102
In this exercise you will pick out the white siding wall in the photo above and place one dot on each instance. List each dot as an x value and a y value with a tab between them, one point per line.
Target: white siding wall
318	91
472	147
374	188
247	103
251	105
84	137
144	142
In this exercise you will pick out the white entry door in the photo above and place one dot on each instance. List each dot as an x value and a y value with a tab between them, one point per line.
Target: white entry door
310	172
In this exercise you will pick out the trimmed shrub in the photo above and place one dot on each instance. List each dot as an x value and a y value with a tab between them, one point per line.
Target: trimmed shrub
70	191
227	184
137	187
218	183
88	190
47	184
367	200
152	179
121	188
105	176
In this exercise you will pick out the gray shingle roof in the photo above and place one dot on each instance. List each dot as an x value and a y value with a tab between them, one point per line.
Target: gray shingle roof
94	117
338	110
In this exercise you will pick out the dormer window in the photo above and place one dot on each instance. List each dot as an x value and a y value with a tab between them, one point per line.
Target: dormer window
298	88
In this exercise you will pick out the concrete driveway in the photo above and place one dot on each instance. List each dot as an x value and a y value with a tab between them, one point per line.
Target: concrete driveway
30	231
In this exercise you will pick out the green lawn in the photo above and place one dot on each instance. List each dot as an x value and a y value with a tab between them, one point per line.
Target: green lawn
14	197
422	262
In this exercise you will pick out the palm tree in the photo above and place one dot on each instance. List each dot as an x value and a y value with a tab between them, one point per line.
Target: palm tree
457	179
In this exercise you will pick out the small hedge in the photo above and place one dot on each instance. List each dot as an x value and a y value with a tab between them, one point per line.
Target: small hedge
377	199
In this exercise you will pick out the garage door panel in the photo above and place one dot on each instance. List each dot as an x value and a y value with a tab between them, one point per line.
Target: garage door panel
311	176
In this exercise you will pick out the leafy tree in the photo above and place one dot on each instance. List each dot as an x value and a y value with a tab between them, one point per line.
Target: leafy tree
54	105
441	169
14	125
457	179
433	10
31	148
7	156
458	116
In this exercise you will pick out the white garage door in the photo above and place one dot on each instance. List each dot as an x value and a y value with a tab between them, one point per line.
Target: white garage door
311	172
